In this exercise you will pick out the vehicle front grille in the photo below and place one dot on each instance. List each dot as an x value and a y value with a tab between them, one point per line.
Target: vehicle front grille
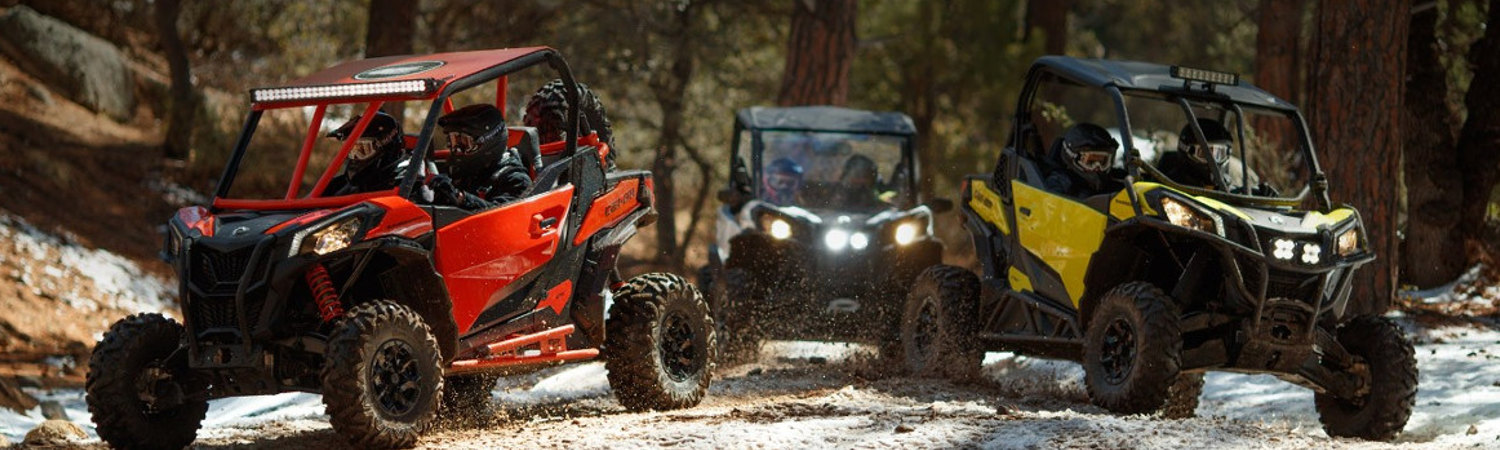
1293	285
219	272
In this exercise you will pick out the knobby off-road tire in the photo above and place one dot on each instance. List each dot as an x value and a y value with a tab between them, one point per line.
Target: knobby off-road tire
382	376
938	328
468	396
738	334
133	353
1382	412
547	110
1132	351
659	343
1182	396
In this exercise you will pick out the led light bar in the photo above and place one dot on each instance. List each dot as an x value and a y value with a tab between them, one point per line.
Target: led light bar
1206	76
382	89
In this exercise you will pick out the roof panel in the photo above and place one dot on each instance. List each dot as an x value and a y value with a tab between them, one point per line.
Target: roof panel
826	118
1136	75
444	67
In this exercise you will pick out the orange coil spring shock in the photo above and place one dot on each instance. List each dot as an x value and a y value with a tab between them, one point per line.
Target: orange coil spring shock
323	293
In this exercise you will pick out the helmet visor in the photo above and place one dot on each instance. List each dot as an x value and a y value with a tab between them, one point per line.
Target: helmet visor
1094	159
461	143
781	181
364	148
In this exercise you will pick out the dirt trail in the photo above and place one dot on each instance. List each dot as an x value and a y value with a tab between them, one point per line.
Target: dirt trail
798	402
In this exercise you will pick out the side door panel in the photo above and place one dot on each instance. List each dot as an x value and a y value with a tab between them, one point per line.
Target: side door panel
1060	236
482	256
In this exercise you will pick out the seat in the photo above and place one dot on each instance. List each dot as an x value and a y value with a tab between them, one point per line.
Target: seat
526	141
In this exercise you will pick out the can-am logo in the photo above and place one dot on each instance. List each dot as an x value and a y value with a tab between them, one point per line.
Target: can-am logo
398	70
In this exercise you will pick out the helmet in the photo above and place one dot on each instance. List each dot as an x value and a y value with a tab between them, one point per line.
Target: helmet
860	168
471	127
1088	149
1215	150
381	140
782	178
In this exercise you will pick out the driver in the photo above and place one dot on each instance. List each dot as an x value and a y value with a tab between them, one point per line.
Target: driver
485	172
1193	162
1081	162
372	161
783	179
861	180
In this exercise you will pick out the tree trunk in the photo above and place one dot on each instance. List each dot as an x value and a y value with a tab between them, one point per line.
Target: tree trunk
388	32
1051	18
819	53
1479	142
1355	90
918	96
1433	185
670	90
1278	49
184	103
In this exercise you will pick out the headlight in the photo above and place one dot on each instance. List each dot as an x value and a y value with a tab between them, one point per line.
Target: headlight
328	239
836	239
859	241
906	233
1311	253
779	229
1185	216
1285	248
1348	242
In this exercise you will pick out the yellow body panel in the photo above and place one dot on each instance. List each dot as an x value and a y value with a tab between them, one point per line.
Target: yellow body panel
1019	281
1222	207
1120	208
1062	232
1315	219
986	203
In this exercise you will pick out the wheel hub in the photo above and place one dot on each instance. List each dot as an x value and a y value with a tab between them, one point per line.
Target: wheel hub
678	349
1117	355
394	378
157	390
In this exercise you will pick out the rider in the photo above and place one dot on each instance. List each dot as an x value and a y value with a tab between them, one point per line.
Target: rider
485	171
861	180
1193	162
782	180
1081	162
372	161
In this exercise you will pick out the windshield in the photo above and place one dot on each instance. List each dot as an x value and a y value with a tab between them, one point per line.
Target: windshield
1260	154
834	171
269	164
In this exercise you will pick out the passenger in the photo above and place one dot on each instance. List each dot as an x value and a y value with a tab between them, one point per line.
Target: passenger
484	171
1193	162
372	162
860	180
1080	162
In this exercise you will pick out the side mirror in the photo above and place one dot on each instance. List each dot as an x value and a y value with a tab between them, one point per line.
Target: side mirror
939	205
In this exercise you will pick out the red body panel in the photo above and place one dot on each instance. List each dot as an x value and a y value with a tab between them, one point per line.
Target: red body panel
608	209
557	297
479	255
300	220
198	218
301	203
402	218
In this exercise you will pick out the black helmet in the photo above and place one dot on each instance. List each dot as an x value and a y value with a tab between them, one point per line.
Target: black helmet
782	178
1217	148
1088	149
472	126
785	166
382	137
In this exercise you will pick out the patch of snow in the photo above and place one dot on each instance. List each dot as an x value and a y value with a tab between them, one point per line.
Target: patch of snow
572	382
120	282
176	194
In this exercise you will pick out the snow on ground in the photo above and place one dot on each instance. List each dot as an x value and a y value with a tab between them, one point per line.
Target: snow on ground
117	282
804	394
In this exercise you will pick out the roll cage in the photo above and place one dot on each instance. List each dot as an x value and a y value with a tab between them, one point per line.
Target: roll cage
1139	79
433	77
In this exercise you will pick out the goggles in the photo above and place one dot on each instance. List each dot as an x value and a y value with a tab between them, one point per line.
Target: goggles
1217	152
461	143
782	182
364	148
1093	159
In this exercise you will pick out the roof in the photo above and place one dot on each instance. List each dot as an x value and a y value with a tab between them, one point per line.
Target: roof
438	70
826	118
1144	76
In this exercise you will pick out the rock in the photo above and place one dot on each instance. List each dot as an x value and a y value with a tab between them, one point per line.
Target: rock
13	398
54	432
53	410
817	360
1473	430
904	428
85	68
758	371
